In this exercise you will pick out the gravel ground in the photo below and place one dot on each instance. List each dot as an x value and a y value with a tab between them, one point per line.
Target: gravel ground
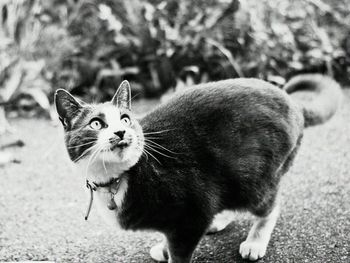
42	206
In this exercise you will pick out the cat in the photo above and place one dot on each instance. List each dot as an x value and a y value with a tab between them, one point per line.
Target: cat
217	146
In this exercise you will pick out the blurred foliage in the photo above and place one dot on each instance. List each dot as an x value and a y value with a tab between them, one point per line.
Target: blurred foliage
89	46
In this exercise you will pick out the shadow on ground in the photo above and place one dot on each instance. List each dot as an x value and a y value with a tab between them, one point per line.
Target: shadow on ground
42	206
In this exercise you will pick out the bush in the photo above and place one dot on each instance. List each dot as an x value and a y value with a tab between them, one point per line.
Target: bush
161	44
89	46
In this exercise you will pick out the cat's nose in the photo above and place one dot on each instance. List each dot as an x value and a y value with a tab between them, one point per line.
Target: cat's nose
120	134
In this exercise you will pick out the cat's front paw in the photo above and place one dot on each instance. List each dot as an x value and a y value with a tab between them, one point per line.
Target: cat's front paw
252	250
159	253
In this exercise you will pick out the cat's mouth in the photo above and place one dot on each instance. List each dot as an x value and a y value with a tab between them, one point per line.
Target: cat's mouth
121	144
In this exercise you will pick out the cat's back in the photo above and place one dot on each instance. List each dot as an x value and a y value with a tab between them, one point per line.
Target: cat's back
231	88
243	100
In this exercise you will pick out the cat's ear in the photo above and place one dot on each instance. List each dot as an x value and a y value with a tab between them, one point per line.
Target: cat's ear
122	98
66	106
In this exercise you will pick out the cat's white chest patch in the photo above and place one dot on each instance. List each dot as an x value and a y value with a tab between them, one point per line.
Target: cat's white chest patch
102	173
103	197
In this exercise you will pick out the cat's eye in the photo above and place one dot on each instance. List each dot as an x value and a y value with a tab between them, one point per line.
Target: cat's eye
125	119
96	124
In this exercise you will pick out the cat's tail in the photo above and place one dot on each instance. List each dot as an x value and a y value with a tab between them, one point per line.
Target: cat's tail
318	95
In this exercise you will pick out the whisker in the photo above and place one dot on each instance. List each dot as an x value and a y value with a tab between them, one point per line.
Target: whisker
84	153
152	156
83	138
143	151
92	155
77	137
91	159
157	148
76	130
103	162
160	146
153	138
133	97
152	149
76	146
158	132
98	152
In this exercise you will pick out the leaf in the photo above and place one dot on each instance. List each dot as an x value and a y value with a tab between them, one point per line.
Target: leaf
227	54
13	83
40	97
106	14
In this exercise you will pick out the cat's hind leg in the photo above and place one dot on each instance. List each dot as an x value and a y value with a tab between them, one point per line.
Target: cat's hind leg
254	247
220	222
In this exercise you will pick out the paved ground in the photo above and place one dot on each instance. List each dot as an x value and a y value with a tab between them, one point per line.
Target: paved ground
42	206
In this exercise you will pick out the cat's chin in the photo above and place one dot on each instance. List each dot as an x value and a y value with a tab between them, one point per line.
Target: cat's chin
108	165
115	156
124	157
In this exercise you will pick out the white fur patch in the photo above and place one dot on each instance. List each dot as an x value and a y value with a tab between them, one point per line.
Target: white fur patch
156	253
252	250
102	199
259	235
221	221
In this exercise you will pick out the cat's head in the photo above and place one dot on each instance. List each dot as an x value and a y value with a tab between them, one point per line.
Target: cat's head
106	132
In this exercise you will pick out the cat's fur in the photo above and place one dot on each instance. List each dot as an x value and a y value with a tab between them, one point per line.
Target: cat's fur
216	146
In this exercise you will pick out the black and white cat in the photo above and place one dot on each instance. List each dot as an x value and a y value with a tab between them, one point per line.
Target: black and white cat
217	146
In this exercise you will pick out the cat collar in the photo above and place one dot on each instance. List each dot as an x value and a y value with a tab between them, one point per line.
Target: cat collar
112	186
